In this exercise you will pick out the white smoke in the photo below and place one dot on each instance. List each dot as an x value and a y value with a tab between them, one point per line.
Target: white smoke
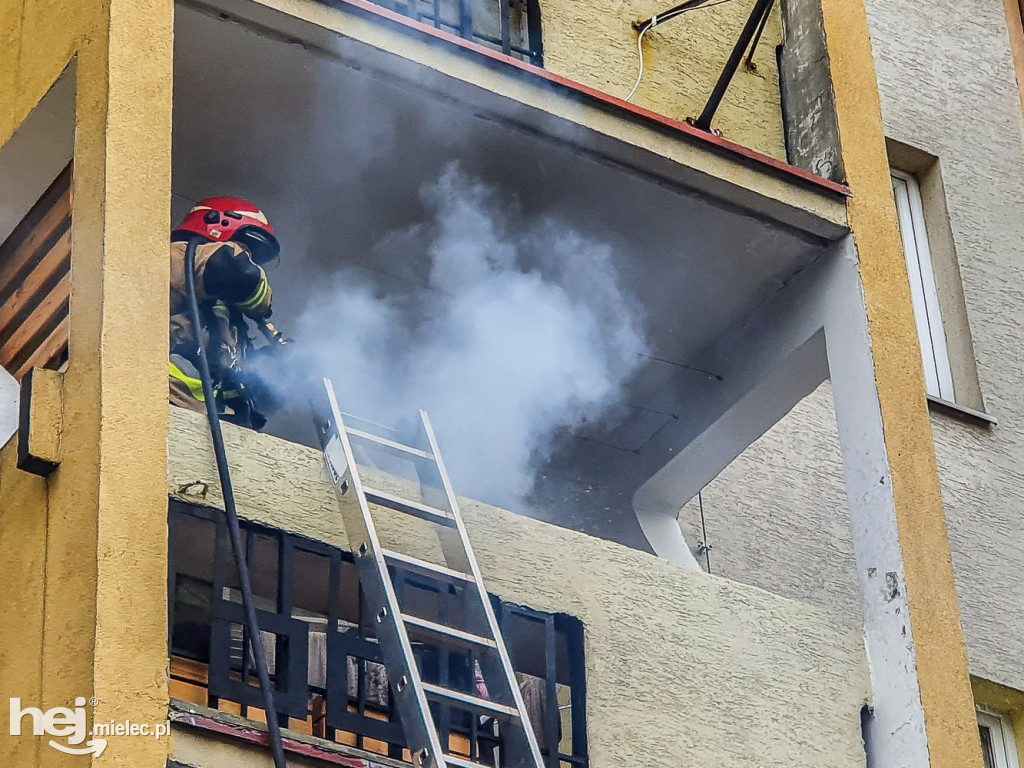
524	331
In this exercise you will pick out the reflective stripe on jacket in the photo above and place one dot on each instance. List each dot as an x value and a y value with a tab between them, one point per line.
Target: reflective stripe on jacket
195	385
225	334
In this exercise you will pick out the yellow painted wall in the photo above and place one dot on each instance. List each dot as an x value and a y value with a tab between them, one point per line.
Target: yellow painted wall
22	561
102	605
934	611
595	44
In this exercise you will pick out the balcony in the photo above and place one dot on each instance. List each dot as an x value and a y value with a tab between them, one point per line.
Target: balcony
421	186
512	27
643	301
666	652
694	238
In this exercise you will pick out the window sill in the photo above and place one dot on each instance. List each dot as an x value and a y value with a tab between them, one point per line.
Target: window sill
252	732
961	412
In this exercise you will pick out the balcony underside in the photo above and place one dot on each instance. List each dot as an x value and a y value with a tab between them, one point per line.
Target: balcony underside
333	122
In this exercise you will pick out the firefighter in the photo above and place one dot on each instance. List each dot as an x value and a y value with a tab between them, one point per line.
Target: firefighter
236	242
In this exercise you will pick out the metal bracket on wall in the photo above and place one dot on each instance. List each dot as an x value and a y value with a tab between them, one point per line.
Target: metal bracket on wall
751	33
749	38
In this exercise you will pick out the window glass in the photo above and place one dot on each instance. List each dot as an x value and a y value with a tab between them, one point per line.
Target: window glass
997	744
924	293
512	28
986	746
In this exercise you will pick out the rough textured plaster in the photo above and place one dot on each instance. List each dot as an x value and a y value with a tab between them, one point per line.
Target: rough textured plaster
43	427
595	44
925	99
907	65
964	106
104	622
22	560
777	516
130	660
707	664
930	589
1015	26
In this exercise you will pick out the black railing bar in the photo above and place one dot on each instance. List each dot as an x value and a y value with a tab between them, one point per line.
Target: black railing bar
505	25
749	63
761	9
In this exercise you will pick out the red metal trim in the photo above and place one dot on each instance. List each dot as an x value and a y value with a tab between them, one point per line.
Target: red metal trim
678	126
256	736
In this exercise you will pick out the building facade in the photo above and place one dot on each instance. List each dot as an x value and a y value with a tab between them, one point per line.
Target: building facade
792	538
777	390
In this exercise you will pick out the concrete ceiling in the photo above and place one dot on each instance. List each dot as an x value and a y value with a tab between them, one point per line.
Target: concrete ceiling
336	155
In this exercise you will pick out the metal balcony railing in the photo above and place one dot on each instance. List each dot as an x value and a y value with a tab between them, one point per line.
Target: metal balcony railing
510	26
325	666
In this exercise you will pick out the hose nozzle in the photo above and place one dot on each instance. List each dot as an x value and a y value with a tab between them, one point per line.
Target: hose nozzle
273	334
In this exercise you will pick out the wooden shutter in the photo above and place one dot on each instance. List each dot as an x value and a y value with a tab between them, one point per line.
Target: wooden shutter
35	284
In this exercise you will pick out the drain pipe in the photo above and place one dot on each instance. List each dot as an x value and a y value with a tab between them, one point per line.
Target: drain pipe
231	512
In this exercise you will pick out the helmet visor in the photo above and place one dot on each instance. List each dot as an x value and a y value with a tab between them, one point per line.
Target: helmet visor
261	244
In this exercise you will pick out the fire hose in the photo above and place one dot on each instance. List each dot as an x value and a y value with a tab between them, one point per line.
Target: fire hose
231	512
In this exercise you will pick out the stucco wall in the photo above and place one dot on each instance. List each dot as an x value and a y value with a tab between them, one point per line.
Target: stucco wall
777	516
682	668
948	87
22	562
104	551
595	44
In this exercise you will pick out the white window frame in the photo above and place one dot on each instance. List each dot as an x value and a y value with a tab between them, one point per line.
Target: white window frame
1003	744
923	290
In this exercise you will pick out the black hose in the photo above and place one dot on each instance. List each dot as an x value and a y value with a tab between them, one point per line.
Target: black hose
248	603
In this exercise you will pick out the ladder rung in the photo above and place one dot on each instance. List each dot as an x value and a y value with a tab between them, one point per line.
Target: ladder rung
460	762
390	444
414	508
471	703
455	636
423	568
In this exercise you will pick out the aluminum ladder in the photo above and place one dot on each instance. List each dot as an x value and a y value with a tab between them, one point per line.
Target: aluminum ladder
480	634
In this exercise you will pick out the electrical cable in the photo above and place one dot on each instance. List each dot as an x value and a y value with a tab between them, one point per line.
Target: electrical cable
660	18
640	54
231	512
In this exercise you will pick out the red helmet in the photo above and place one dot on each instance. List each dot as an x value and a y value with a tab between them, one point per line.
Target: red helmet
232	218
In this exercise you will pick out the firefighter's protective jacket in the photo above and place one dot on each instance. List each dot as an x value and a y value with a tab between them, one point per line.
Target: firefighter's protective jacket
229	287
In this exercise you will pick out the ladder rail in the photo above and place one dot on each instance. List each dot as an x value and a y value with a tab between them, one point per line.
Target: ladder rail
492	621
413	698
369	554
